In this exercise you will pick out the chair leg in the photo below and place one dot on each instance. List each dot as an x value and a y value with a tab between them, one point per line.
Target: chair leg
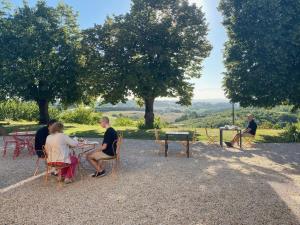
4	149
16	151
47	173
36	166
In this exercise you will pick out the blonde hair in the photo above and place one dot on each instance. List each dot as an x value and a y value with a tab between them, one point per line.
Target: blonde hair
105	119
57	128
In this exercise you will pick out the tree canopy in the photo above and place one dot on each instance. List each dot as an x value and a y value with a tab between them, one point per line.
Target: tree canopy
152	51
40	56
262	54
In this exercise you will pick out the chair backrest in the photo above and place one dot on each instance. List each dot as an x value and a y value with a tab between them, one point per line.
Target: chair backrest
206	132
44	151
194	136
49	154
156	132
118	144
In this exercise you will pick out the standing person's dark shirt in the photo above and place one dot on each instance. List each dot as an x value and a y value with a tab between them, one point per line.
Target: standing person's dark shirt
252	126
40	140
110	138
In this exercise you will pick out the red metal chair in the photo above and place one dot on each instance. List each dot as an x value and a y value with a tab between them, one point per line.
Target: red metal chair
12	140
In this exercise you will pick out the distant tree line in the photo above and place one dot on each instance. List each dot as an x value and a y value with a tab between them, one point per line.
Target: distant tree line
276	118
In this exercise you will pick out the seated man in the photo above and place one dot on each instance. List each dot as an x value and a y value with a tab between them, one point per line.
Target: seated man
106	150
40	138
249	131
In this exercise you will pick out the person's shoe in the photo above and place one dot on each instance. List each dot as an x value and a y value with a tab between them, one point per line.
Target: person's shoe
99	174
54	174
68	181
229	144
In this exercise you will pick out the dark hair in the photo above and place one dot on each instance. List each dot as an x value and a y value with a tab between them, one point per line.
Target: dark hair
50	122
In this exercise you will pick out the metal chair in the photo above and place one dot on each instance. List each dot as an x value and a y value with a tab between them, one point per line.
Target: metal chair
12	139
211	139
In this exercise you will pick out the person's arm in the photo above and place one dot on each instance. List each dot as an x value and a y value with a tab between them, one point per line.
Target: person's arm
247	130
71	142
102	147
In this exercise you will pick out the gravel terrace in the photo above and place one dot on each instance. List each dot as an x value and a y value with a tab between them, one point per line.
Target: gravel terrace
216	186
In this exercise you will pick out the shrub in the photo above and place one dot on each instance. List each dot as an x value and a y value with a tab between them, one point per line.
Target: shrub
54	113
157	124
80	115
124	122
18	110
291	133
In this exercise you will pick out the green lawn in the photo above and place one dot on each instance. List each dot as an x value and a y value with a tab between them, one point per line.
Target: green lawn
79	130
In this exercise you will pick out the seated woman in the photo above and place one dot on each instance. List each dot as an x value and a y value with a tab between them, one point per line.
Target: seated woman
59	153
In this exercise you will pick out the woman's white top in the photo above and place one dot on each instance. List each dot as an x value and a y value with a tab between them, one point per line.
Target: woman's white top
58	147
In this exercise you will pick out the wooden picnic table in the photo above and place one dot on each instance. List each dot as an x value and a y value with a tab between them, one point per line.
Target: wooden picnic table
230	128
185	135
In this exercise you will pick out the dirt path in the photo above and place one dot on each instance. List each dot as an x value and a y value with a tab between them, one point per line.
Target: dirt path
215	186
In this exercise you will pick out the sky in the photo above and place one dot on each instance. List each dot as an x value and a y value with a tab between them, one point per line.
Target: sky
209	86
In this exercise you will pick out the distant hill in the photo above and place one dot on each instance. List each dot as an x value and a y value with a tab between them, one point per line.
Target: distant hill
165	106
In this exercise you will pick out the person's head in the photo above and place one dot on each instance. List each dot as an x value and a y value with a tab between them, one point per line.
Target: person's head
50	123
104	122
250	117
57	127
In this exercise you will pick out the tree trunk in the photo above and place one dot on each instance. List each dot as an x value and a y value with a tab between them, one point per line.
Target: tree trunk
149	115
43	110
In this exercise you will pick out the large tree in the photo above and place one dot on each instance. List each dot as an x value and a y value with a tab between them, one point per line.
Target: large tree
40	55
262	54
152	51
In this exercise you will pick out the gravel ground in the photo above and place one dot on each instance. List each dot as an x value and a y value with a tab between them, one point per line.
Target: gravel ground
216	186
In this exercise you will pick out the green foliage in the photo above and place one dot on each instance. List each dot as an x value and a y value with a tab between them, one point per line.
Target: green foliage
40	56
18	110
124	122
276	118
262	54
80	115
291	133
152	51
158	124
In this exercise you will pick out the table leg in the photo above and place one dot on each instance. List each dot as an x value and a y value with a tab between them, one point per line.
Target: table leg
221	138
188	147
166	146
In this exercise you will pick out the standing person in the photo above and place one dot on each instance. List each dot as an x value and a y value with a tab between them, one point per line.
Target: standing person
59	154
106	150
40	138
249	131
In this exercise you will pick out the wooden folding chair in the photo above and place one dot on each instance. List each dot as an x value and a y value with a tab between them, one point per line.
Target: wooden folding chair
50	163
161	143
115	160
193	141
37	162
211	139
248	141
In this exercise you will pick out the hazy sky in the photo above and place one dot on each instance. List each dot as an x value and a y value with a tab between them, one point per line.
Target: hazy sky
209	86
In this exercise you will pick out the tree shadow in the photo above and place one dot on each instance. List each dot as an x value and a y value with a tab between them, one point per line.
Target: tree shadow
273	139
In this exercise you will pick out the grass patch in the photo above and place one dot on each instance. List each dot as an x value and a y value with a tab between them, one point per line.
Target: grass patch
95	131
